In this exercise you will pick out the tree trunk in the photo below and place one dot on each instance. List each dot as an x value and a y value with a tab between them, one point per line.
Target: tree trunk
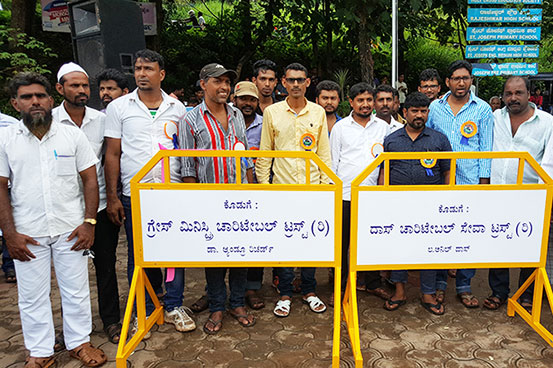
245	21
328	25
23	12
365	54
154	42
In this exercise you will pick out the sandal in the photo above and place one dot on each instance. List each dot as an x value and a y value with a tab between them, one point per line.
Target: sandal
243	319
214	323
526	304
433	308
34	362
379	292
253	300
59	342
200	305
440	296
10	276
314	303
393	305
493	302
282	308
89	355
466	299
113	332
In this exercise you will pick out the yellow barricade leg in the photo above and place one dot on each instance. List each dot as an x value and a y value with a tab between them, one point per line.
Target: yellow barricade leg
136	291
541	282
337	315
352	319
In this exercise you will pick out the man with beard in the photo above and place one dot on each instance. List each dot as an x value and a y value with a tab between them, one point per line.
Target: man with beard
354	143
215	125
48	217
416	137
519	126
136	125
328	96
265	79
111	84
73	85
292	125
384	106
467	121
429	83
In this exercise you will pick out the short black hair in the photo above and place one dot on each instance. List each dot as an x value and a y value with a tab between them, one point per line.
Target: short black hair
386	88
360	88
327	85
429	75
416	99
27	79
524	79
263	65
150	56
458	64
296	66
115	75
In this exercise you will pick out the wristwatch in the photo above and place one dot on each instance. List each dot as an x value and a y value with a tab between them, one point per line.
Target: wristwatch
91	221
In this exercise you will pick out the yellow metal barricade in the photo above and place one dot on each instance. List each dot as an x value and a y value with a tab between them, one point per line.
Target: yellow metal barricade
500	233
140	281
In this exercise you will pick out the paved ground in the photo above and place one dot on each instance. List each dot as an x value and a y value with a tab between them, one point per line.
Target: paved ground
410	337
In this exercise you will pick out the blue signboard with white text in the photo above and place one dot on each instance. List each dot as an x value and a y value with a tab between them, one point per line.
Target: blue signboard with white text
503	2
501	51
503	34
503	15
488	70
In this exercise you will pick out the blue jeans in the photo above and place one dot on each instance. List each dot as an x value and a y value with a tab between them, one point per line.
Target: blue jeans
217	289
462	281
286	276
427	280
7	261
174	288
498	278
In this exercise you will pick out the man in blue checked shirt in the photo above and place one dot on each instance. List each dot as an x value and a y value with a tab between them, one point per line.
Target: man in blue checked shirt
467	121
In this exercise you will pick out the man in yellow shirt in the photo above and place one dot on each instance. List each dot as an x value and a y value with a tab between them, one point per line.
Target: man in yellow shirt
294	124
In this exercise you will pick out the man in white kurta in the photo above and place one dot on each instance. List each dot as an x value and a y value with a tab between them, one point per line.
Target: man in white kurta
49	217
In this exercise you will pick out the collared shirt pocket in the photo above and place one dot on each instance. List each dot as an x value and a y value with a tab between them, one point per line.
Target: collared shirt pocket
65	165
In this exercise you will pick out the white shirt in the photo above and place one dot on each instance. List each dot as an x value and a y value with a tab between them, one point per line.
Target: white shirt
6	120
353	147
401	90
394	124
46	193
532	136
93	127
128	119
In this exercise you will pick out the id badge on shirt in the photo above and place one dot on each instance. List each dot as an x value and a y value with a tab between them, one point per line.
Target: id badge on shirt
65	164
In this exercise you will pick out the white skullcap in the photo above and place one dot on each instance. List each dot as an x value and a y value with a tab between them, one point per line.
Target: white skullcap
70	68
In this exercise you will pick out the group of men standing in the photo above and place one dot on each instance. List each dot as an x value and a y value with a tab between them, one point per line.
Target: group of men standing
65	180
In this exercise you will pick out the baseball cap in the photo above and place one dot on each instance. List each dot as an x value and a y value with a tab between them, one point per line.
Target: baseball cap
246	88
215	70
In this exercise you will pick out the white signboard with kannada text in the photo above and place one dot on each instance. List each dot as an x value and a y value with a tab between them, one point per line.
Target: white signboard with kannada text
237	225
458	226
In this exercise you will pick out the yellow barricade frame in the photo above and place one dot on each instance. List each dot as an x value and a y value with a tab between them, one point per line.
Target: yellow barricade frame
140	280
539	276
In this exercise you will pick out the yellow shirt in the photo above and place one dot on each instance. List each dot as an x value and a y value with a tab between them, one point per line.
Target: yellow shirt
283	130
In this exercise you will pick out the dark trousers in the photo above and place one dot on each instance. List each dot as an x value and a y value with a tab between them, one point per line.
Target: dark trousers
7	261
217	289
106	236
254	278
371	279
498	279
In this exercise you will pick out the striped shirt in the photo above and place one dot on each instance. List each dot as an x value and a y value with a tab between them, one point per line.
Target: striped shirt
200	130
442	119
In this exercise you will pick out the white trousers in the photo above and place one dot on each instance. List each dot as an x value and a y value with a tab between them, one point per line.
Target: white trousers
33	287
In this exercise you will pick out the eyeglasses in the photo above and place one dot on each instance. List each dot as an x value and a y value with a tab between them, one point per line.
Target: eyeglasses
294	80
430	86
458	79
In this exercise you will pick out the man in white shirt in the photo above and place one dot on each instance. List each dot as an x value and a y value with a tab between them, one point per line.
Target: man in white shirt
49	217
401	89
519	126
355	141
136	124
73	85
383	104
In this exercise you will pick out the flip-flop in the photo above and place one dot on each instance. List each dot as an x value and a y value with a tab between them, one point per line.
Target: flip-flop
10	277
440	296
254	301
215	324
465	299
314	302
429	306
391	302
200	305
239	318
492	304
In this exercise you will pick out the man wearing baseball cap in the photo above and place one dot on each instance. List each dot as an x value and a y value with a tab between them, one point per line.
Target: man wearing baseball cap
215	125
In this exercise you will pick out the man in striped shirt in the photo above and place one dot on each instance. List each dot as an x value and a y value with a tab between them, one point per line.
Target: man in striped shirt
215	125
467	121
